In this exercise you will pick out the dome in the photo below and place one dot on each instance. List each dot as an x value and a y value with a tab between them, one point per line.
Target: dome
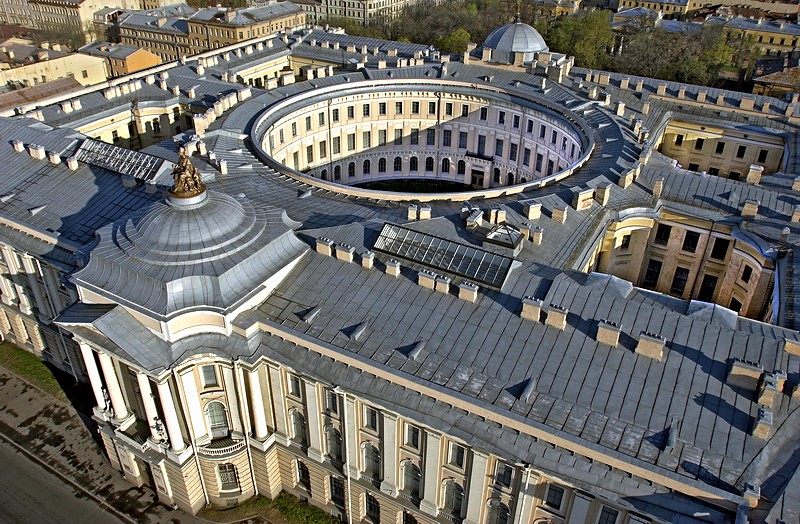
510	39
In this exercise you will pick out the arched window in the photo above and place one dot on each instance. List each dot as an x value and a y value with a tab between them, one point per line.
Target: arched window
413	164
298	427
337	172
333	441
398	163
365	168
429	164
303	475
373	508
445	165
510	179
381	165
324	174
498	513
453	498
351	170
217	419
411	479
372	462
462	167
496	176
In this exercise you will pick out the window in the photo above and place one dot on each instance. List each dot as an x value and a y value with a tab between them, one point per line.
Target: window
464	110
332	400
679	281
512	152
481	145
542	131
430	136
333	442
662	234
310	154
694	167
351	112
626	242
720	148
381	137
690	241
496	176
529	126
720	249
337	490
308	123
294	128
550	167
462	139
453	498
498	147
381	165
652	274
714	171
415	137
408	518
415	108
85	73
484	114
747	273
398	163
498	513
554	497
740	151
365	110
447	137
539	160
735	305
501	117
366	139
445	165
413	164
733	175
382	108
373	509
337	172
208	374
678	140
351	170
698	144
608	516
366	167
526	157
411	479
398	137
217	419
371	418
448	109
515	122
298	427
457	455
228	480
337	148
372	462
504	474
461	167
707	287
351	142
431	108
762	155
398	108
295	386
554	137
429	164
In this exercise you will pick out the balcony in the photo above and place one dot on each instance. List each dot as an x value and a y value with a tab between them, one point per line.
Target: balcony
222	447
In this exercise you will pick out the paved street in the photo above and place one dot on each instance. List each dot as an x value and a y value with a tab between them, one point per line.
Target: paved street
23	486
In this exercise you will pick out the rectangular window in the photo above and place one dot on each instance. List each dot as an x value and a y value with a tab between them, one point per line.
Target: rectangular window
371	418
398	137
512	152
414	137
457	455
714	171
554	137
707	287
747	273
412	436
539	160
720	148
678	140
398	108
554	497
335	115
740	151
662	234
227	477
448	109
464	110
498	147
550	167
698	144
294	128
351	142
481	145
430	136
308	123
501	117
382	108
690	241
365	110
652	275
679	281
484	113
208	374
504	474
321	119
309	154
733	175
336	145
447	137
431	108
694	167
626	242
294	386
337	491
462	139
331	401
530	126
762	155
280	136
735	305
542	131
415	108
720	249
351	112
526	157
515	122
381	137
366	139
608	516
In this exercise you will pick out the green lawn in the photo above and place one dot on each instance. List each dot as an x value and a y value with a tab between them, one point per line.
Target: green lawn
31	368
284	509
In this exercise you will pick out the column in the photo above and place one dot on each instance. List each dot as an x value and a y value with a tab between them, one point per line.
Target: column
525	498
430	477
580	508
112	385
390	427
260	429
195	411
231	396
278	403
477	481
351	436
9	291
314	425
170	417
150	410
94	375
51	278
29	266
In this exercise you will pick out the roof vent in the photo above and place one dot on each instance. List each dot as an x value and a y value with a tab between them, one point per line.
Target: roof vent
36	210
530	389
311	314
651	345
416	350
358	332
6	198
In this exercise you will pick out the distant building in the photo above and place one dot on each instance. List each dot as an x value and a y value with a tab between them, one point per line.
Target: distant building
361	11
26	65
121	59
762	37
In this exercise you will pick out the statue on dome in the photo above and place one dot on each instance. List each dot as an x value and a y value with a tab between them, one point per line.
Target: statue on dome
186	178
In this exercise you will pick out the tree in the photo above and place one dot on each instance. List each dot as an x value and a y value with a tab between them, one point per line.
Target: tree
586	36
455	42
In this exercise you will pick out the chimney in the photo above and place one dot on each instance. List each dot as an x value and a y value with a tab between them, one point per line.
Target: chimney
556	317
658	187
538	233
72	163
602	194
559	214
18	146
763	425
393	268
223	167
345	253
412	212
468	291
54	157
608	333
768	389
424	212
426	279
442	284
744	374
36	151
368	260
531	308
76	104
651	345
750	208
533	211
796	214
325	246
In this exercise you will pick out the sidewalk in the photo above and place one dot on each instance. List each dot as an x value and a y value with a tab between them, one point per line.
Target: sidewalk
63	439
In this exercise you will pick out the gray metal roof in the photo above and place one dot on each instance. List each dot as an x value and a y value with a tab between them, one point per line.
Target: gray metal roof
515	38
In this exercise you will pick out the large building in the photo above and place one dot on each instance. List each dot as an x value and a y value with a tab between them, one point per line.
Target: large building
23	65
410	288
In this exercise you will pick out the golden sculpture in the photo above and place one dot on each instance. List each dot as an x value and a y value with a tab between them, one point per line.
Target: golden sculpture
186	178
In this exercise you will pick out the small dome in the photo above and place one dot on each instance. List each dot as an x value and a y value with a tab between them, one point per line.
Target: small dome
510	39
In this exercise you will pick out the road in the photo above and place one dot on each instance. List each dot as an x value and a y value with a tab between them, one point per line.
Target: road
29	493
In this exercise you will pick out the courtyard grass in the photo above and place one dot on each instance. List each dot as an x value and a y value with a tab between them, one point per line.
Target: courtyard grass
31	368
285	509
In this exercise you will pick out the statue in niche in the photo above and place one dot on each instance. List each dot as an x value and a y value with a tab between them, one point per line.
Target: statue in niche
186	178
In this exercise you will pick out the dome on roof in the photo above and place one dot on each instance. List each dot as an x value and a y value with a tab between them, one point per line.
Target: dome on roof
510	39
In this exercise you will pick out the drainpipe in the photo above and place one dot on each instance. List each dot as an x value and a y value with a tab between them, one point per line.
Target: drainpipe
337	389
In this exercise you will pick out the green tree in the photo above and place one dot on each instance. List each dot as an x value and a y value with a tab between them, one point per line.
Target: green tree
586	36
455	42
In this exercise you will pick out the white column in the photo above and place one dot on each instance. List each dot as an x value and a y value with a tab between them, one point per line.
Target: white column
94	375
36	290
430	477
260	429
525	498
9	291
351	436
314	426
477	481
112	385
580	508
278	402
171	417
195	411
231	396
149	402
390	428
